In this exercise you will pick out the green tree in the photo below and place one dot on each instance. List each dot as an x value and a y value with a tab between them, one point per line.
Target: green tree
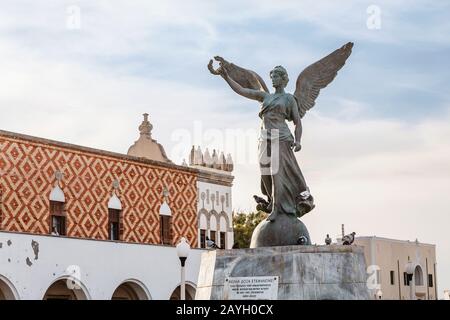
244	224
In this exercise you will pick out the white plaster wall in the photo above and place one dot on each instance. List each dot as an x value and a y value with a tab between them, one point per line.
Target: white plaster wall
214	188
104	265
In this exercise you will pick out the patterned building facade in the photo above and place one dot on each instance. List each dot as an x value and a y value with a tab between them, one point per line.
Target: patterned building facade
68	213
89	178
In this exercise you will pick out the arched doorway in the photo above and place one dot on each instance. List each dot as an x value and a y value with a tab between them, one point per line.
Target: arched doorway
64	289
130	290
7	290
190	293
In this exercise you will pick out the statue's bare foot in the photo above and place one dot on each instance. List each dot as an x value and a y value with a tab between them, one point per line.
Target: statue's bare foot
305	203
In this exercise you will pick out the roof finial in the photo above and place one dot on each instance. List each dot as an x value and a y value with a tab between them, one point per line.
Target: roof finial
229	163
146	127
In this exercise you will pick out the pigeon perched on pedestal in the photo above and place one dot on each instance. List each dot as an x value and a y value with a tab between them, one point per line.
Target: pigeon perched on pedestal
328	240
302	240
211	244
348	239
262	204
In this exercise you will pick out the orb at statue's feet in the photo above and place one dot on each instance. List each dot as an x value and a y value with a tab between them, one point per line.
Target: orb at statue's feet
286	230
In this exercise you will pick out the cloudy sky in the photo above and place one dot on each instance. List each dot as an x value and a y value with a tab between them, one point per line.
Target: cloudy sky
376	148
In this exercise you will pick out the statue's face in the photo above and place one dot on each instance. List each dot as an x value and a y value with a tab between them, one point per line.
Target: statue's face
277	80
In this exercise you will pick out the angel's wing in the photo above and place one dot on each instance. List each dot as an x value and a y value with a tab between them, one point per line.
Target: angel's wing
317	76
246	78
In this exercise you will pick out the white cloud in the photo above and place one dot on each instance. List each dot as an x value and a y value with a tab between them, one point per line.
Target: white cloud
143	27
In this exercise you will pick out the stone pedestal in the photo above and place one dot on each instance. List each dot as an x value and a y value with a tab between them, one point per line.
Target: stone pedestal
304	272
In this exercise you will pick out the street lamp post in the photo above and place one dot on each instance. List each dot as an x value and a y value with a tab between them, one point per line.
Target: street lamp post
379	294
183	249
410	266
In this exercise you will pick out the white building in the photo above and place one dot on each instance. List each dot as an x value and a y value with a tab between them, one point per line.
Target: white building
83	223
214	205
34	267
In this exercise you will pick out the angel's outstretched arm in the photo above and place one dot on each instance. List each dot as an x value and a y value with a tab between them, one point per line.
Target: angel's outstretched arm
248	93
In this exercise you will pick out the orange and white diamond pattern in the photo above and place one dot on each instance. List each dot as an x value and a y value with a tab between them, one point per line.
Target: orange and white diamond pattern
27	176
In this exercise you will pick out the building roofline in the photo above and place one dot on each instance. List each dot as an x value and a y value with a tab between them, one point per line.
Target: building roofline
394	240
215	176
120	156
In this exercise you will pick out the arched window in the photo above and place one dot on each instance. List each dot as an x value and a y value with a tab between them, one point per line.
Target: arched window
203	226
165	215
189	295
115	226
57	212
63	290
213	227
223	232
130	290
418	276
7	290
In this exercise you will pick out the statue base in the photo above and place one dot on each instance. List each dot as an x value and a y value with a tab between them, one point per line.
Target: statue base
332	272
286	230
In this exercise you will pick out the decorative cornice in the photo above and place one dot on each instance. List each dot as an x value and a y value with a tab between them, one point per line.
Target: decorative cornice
214	161
214	176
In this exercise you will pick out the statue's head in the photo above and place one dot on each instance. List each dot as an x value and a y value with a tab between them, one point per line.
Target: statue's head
279	77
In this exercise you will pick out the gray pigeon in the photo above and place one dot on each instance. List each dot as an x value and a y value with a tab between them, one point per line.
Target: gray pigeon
262	204
211	244
348	239
328	240
302	240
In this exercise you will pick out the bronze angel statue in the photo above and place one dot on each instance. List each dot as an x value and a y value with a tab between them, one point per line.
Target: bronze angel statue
284	186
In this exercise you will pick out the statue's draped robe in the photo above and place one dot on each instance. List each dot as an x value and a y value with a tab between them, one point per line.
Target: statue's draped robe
281	178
